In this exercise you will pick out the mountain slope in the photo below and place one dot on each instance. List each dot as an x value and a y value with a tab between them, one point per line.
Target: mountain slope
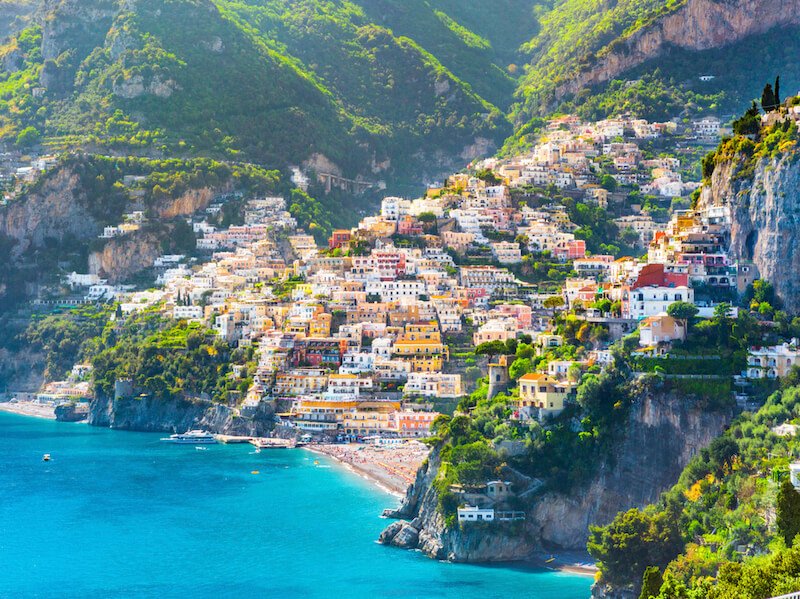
14	15
274	81
582	45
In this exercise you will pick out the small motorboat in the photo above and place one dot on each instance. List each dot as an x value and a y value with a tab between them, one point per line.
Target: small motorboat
46	457
200	448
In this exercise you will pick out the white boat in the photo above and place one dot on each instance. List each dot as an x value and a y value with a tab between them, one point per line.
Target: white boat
191	438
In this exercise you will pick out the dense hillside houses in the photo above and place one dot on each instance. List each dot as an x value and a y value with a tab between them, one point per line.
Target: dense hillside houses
367	335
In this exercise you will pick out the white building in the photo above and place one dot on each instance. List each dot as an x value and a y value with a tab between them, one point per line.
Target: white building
654	300
470	513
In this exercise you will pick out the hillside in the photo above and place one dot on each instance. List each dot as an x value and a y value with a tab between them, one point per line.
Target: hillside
377	89
14	14
722	510
585	57
755	176
383	89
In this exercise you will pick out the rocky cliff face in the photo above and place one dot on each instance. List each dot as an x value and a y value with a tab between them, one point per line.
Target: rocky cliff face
124	256
57	208
664	432
765	226
697	25
60	206
15	15
70	31
176	415
424	528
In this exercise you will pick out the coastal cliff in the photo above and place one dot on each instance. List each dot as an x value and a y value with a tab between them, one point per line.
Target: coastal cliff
763	196
696	25
664	431
176	415
423	527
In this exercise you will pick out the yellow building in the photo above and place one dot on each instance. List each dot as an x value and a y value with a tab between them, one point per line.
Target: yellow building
320	325
320	415
301	382
541	395
371	418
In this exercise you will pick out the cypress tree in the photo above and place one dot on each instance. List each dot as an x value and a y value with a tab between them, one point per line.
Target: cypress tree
767	98
788	512
777	91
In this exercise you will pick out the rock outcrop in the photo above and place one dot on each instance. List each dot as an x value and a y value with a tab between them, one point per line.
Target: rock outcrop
59	206
697	25
71	412
71	29
176	415
124	256
426	525
56	208
765	226
664	432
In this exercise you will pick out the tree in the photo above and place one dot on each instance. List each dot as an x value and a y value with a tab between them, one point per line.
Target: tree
553	302
427	217
608	183
788	512
683	311
28	137
520	367
768	98
777	91
634	541
708	163
491	348
604	305
488	176
651	582
749	123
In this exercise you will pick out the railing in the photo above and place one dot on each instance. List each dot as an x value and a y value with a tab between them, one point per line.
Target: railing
505	516
789	596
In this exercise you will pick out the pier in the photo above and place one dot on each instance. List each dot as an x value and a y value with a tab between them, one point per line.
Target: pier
259	442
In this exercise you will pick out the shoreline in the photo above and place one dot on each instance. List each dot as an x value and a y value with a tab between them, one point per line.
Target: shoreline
29	408
384	484
377	473
369	462
570	562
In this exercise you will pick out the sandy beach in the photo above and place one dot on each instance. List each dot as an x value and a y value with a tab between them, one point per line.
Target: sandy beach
29	408
393	467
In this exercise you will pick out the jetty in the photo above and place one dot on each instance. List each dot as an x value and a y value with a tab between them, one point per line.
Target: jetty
231	439
271	443
259	442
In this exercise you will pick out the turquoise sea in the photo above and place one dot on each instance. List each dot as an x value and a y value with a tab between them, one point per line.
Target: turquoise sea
118	514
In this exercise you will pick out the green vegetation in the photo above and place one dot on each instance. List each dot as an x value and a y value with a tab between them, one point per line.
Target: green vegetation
275	83
753	142
164	358
65	339
558	452
576	37
168	360
696	533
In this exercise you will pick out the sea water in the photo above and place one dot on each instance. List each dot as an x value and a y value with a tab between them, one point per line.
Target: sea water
119	514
